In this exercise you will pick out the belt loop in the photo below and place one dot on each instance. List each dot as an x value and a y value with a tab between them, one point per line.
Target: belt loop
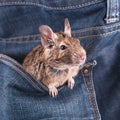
112	11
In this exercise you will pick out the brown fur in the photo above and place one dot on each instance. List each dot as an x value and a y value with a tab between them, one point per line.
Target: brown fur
54	66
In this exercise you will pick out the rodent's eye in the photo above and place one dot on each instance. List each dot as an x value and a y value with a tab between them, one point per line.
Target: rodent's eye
50	46
63	47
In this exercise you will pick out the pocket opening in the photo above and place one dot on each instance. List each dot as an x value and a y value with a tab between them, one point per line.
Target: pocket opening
19	68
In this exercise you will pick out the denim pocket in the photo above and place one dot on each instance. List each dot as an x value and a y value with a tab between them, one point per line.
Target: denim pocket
22	97
18	47
103	44
18	85
13	73
96	41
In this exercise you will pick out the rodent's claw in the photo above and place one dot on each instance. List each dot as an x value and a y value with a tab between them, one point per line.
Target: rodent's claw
71	83
53	91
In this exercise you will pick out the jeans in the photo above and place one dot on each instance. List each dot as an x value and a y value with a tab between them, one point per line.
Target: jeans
96	94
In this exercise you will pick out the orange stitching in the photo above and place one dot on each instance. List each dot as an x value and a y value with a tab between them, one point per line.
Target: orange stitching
18	68
49	7
112	14
99	34
36	37
96	112
97	28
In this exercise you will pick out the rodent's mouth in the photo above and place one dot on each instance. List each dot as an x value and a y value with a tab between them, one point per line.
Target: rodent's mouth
80	61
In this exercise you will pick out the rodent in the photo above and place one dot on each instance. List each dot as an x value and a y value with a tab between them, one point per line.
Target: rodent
57	60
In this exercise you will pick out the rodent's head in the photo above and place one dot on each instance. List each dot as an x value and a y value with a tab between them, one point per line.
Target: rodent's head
61	50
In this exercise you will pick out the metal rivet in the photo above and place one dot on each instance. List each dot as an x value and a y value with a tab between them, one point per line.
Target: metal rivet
87	66
86	71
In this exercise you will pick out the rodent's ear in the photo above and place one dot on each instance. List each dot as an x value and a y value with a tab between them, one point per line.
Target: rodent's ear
47	35
67	28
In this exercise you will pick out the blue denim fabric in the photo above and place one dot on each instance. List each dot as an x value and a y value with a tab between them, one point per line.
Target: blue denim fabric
96	93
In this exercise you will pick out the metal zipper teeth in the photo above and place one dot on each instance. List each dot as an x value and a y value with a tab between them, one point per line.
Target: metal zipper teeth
9	61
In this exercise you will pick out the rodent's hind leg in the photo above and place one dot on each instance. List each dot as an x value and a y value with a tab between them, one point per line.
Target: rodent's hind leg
71	83
53	91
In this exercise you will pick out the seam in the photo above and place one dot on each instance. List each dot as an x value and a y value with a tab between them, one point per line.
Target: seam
93	99
110	9
110	20
115	10
97	28
27	36
32	38
20	41
91	95
99	34
38	40
50	7
18	68
112	14
36	37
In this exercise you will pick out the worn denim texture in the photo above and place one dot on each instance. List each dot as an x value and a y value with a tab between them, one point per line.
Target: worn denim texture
96	94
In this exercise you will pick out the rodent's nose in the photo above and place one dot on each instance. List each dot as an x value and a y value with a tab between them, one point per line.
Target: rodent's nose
82	56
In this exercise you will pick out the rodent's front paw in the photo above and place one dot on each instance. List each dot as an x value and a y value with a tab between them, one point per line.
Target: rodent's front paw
53	91
71	83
